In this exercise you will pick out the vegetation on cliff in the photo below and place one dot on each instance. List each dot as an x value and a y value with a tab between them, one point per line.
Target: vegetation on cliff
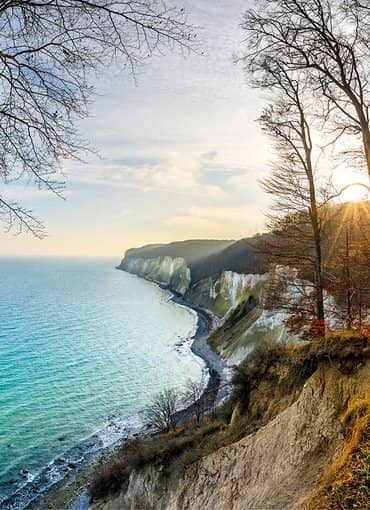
190	251
267	383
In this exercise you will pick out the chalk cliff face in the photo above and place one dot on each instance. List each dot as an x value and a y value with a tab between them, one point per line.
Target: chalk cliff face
172	272
276	467
221	293
224	293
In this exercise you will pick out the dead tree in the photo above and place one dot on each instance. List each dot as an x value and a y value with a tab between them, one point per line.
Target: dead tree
196	398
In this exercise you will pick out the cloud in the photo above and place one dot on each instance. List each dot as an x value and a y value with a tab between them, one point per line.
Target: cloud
229	222
29	191
175	151
174	174
166	176
210	155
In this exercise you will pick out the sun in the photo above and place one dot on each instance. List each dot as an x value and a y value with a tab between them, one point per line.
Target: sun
355	187
356	193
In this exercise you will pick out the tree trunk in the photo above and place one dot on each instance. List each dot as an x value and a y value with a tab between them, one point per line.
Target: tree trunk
316	229
366	138
320	312
348	282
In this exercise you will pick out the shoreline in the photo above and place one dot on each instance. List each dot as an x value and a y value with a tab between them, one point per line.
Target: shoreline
200	347
71	493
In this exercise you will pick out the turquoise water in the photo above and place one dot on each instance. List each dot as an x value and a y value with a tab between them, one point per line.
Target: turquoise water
82	348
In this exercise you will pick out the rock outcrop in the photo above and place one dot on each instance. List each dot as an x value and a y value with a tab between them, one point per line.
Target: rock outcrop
277	467
223	293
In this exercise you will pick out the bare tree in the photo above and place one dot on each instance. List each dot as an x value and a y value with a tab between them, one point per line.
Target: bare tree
195	398
329	40
161	413
292	182
48	48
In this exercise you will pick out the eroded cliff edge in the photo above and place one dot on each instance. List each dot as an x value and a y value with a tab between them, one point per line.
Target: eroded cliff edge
294	430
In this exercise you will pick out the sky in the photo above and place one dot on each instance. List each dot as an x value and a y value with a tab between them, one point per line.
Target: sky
180	153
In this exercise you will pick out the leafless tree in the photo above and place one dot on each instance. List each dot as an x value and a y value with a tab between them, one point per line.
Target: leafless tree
195	398
48	49
296	210
329	41
161	413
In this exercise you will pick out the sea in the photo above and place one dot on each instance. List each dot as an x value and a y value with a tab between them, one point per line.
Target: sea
84	348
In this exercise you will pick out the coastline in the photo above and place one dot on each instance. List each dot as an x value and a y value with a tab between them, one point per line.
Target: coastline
71	493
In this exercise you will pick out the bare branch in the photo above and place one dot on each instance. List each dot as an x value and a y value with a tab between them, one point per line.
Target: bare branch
48	49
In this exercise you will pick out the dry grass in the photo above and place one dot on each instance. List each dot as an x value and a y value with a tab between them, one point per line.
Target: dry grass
271	373
160	450
266	384
346	484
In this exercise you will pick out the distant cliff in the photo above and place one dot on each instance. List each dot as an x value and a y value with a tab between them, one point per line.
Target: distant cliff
170	264
217	275
172	272
225	277
204	259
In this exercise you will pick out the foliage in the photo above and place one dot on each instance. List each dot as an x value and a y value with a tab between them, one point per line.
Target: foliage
264	363
347	261
345	271
109	479
192	251
295	363
304	325
240	257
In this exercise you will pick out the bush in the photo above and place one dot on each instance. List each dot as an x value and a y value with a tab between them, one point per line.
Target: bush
109	479
347	350
158	451
161	413
254	368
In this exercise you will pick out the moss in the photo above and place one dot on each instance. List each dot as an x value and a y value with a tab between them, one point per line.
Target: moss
221	305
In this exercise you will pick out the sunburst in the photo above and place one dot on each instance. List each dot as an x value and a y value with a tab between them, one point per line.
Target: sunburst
356	192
